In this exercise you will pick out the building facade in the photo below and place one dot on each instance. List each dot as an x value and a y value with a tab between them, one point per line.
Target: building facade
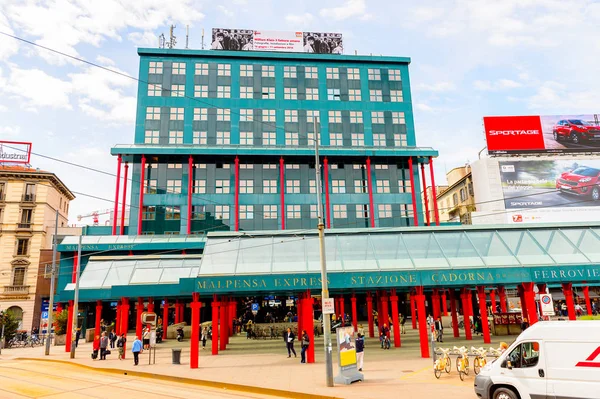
457	201
431	196
29	199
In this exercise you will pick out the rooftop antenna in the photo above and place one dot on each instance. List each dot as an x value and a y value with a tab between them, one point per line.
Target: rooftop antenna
202	38
187	36
355	52
172	42
161	41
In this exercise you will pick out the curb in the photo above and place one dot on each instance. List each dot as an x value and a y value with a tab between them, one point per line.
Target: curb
191	381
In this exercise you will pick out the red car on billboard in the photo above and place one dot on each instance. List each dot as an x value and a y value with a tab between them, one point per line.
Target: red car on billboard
584	181
576	130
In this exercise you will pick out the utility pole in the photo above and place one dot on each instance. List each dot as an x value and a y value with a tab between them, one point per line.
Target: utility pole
3	317
76	301
324	287
51	302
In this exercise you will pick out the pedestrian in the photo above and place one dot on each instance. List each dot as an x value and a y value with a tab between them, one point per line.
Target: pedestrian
289	337
204	337
77	336
429	320
96	347
402	321
360	350
384	336
136	349
563	308
439	329
103	346
120	345
305	345
578	310
146	338
524	324
112	337
102	325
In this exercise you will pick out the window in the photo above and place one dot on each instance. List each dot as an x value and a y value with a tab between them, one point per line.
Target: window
199	186
362	211
313	212
360	187
292	166
198	212
22	246
383	186
176	137
148	213
400	140
223	138
292	186
269	138
333	73
154	90
155	67
269	186
335	116
377	117
310	73
463	195
336	139
223	114
338	186
179	68
394	74
151	136
333	94
396	96
354	95
268	115
289	71
523	356
269	211
270	166
291	138
246	70
375	95
150	186
199	138
293	212
358	139
311	115
385	211
340	211
291	115
398	118
290	93
246	138
312	186
221	186
224	70
18	277
2	191
246	212
470	186
268	71
201	69
246	92
379	139
356	117
222	212
153	113
374	74
26	215
268	93
174	186
177	90
381	167
176	114
246	186
246	166
223	91
353	74
200	114
174	166
246	115
404	186
312	93
455	199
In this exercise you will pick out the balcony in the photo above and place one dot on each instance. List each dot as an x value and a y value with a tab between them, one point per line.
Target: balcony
28	198
24	226
16	290
2	197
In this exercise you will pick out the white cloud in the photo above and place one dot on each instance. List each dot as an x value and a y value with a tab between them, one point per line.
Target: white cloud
501	84
423	107
105	61
554	97
38	89
9	46
299	19
436	87
143	39
351	8
225	11
10	131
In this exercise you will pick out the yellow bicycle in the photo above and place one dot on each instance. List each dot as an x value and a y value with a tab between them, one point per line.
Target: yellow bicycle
442	363
462	362
480	361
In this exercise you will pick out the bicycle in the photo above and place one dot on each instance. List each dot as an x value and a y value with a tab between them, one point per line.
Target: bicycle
480	361
442	363
462	362
495	352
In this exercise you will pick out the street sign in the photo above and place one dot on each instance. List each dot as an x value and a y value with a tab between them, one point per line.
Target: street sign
547	305
328	306
149	318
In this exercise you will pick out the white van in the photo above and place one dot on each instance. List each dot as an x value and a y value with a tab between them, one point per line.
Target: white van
551	359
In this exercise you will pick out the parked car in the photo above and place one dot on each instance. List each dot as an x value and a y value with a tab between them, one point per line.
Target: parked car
576	130
582	181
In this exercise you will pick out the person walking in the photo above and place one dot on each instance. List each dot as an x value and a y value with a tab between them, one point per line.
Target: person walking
103	346
360	350
289	338
120	344
305	345
136	349
146	338
402	321
203	337
439	329
77	337
524	324
112	337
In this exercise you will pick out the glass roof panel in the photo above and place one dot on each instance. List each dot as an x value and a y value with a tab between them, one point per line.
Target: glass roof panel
563	250
390	251
590	245
332	255
289	254
492	249
356	252
170	263
574	235
424	250
543	237
94	274
120	273
172	274
192	262
255	255
220	256
527	249
458	249
146	276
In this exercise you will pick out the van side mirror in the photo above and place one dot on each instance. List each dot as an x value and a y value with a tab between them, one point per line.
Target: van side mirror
503	364
509	365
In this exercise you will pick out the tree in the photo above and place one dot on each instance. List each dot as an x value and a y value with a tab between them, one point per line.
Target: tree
61	321
10	323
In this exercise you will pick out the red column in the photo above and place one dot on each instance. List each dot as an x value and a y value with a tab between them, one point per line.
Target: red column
122	229
342	310
502	294
435	302
74	272
215	326
223	324
413	314
354	313
412	192
394	300
484	315
116	211
237	194
568	292
282	192
444	303
385	310
370	315
529	295
150	305
118	319
231	317
299	304
493	300
370	189
195	338
425	194
98	318
309	327
190	190
125	321
470	300
139	308
420	301
69	328
436	211
326	187
165	318
454	313
177	310
142	187
464	295
588	303
521	294
541	290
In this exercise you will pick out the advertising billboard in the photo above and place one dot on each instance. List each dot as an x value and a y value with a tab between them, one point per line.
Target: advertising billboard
548	191
286	41
15	152
542	134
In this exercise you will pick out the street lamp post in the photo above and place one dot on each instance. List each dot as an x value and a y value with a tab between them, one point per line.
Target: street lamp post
324	287
76	302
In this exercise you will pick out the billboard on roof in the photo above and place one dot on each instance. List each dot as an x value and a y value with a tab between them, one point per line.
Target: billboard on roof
542	134
285	41
15	152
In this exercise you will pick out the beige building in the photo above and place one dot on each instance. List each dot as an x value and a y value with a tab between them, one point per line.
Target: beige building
430	201
457	202
29	199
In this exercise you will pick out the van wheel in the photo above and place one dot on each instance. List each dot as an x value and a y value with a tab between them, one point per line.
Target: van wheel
505	393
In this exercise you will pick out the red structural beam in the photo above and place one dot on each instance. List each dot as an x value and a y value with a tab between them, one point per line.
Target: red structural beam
165	318
124	200
326	185
116	211
237	194
141	204
454	313
68	338
420	301
354	312
434	193
412	191
395	319
425	200
195	338
370	315
484	314
189	193
125	321
98	322
282	191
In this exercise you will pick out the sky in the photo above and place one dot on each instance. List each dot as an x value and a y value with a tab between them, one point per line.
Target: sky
470	58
